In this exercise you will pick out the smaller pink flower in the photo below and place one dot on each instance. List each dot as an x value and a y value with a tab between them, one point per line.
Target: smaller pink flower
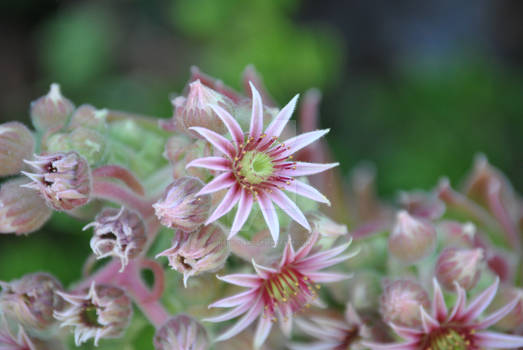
181	332
276	293
458	330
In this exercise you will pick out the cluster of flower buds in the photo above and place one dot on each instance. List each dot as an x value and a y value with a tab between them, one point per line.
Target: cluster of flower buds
146	185
101	311
119	233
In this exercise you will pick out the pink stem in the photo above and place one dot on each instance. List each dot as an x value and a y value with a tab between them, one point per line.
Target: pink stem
104	275
159	278
122	174
113	192
149	305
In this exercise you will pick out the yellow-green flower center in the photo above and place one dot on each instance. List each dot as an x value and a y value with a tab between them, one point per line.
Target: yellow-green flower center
256	167
448	340
90	316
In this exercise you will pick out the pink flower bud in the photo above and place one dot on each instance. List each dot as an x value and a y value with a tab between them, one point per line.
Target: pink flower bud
463	266
89	117
400	303
514	319
195	109
423	205
16	144
21	210
14	339
180	207
102	311
63	179
204	250
411	239
52	110
181	332
32	300
119	233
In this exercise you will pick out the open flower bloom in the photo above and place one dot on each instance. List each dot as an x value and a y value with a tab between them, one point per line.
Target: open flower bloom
257	167
277	293
333	334
458	330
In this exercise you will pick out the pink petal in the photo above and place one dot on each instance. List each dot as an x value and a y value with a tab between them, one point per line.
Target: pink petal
481	302
459	305
304	168
306	248
290	208
235	300
497	315
278	123
241	279
218	183
439	309
412	345
406	333
327	277
244	209
244	322
229	315
228	202
257	113
314	265
213	163
327	254
270	216
216	140
232	125
429	324
308	191
262	331
263	271
298	142
285	319
491	340
288	253
311	329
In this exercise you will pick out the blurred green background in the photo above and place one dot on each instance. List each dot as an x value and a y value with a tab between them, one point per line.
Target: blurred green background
416	88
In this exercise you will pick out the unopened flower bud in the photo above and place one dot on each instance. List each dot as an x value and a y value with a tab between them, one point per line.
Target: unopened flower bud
180	207
119	233
52	110
204	250
423	205
195	109
16	144
197	149
506	294
181	332
32	300
22	210
63	179
176	147
411	239
463	266
89	117
400	303
102	311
